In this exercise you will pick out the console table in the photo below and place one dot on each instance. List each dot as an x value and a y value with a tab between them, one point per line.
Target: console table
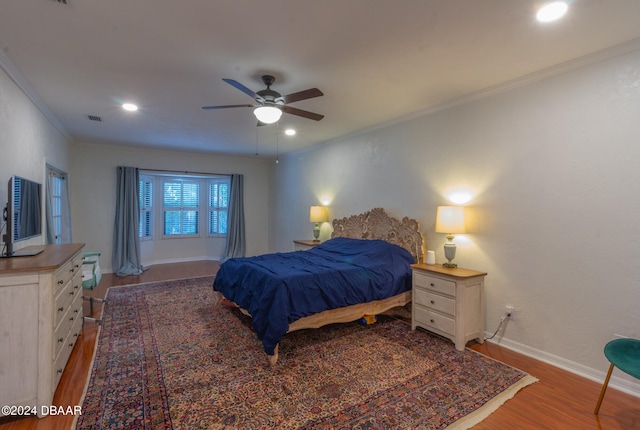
303	245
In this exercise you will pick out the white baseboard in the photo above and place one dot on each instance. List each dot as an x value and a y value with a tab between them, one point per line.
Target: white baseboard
616	382
172	260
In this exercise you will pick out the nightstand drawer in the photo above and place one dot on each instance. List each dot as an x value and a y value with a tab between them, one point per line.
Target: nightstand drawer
443	286
433	301
434	320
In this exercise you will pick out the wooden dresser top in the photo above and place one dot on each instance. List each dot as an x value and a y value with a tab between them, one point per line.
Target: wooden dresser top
50	259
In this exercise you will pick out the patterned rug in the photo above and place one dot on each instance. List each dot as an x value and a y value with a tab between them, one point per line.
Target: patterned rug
169	356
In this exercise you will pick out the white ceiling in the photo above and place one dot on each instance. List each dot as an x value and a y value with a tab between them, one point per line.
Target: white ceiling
375	60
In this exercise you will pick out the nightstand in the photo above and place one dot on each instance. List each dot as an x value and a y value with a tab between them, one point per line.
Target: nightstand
448	302
303	245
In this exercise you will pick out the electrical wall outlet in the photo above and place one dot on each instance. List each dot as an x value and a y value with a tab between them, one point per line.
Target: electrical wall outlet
510	310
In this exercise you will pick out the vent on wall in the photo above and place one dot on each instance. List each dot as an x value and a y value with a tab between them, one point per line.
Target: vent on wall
94	118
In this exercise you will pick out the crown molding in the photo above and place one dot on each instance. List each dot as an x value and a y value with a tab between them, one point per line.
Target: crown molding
27	89
624	48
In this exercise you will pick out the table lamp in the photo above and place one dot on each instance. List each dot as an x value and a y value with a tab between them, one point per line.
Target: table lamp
317	215
450	220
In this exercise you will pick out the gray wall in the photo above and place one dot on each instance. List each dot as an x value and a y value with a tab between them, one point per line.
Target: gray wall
93	197
552	167
28	142
553	170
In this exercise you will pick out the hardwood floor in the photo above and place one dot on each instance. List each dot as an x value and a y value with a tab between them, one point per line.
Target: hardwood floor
560	400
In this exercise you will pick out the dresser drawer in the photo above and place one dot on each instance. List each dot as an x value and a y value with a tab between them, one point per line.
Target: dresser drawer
63	302
70	318
430	319
62	331
434	301
63	356
63	276
76	263
432	283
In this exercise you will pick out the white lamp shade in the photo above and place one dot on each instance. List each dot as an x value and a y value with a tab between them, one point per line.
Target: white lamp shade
318	214
450	219
267	114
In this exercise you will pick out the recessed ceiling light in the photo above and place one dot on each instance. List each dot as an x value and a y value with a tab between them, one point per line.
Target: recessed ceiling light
552	11
130	107
290	132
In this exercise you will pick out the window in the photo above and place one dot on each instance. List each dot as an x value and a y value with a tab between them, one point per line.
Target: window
58	220
218	206
55	200
146	207
183	206
181	201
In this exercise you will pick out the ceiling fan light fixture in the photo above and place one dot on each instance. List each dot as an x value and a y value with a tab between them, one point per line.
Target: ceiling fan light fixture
129	107
267	114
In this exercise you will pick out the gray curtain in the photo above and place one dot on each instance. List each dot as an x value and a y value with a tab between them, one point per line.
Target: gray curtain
235	246
126	241
65	213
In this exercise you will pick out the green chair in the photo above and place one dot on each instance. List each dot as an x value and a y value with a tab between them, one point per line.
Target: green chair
623	354
91	276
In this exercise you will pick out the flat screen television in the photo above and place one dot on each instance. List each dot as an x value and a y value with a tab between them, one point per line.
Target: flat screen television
23	215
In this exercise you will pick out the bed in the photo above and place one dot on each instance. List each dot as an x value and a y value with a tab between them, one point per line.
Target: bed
364	269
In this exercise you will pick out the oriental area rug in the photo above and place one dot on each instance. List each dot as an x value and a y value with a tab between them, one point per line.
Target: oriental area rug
170	356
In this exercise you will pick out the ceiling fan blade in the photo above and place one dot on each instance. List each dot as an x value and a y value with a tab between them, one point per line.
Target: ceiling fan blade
225	107
302	113
303	95
242	88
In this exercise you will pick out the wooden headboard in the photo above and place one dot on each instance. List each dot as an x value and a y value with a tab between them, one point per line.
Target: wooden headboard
376	224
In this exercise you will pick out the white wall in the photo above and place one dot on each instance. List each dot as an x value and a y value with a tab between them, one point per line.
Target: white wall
28	141
554	170
93	193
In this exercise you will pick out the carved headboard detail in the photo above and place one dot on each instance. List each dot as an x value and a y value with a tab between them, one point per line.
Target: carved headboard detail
376	224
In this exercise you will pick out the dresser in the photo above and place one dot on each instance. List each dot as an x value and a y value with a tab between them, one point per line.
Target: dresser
40	321
448	302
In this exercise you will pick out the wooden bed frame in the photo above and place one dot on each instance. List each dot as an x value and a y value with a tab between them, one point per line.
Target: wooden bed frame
373	224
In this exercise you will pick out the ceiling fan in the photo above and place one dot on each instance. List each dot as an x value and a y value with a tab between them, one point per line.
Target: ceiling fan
270	104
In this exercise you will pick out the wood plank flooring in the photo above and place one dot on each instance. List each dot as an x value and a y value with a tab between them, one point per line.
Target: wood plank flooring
560	400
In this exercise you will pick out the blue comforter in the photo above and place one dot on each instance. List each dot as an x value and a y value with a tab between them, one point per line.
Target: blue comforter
278	289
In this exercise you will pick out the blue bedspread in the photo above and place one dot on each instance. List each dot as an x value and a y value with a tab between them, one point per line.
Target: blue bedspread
278	289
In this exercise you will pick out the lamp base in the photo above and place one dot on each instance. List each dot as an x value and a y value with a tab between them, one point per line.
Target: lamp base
449	253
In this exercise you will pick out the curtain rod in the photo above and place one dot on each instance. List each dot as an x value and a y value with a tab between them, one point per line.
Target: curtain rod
183	172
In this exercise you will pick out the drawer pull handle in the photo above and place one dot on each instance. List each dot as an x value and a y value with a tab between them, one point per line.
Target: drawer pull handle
71	293
71	319
76	311
59	370
60	340
60	309
432	284
432	321
60	282
75	287
433	302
